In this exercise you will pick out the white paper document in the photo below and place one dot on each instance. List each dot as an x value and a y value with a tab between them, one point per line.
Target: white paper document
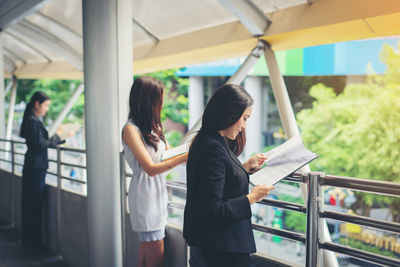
282	161
176	151
68	129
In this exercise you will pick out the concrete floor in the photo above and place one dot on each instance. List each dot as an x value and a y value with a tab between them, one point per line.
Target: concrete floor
13	255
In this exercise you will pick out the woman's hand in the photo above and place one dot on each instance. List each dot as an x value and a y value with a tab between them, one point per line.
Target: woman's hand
254	163
60	130
259	192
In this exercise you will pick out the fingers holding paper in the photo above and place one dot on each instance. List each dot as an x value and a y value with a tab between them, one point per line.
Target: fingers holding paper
255	163
259	192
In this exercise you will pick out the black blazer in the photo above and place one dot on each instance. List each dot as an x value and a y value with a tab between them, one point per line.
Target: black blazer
217	212
37	141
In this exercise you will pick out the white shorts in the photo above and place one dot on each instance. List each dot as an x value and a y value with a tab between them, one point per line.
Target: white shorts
151	236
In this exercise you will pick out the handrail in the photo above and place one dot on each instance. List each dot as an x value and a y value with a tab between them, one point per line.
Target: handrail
361	254
10	140
366	185
280	232
362	220
315	213
58	161
314	209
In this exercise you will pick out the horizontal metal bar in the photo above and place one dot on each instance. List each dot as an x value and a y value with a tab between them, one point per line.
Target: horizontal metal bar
177	185
361	220
280	232
70	149
73	165
4	160
19	164
11	141
262	228
295	177
177	205
52	173
366	185
17	153
5	150
360	254
284	205
52	160
73	180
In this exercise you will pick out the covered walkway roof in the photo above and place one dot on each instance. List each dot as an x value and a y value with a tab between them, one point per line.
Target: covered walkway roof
345	58
44	38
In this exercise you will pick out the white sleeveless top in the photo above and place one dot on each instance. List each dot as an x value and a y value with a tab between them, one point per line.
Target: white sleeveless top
147	197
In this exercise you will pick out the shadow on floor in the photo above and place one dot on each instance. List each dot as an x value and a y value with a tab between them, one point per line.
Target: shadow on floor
13	255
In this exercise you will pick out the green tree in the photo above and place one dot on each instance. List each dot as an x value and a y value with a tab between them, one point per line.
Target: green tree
357	133
59	92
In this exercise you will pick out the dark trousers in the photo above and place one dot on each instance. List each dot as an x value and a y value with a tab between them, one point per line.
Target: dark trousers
33	194
221	259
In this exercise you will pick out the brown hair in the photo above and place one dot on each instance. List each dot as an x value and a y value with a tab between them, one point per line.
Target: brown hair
223	110
145	103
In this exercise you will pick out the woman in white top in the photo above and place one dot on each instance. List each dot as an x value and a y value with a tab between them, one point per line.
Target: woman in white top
144	143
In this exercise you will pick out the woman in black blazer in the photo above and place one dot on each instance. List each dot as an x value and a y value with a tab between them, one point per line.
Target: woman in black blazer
35	167
217	216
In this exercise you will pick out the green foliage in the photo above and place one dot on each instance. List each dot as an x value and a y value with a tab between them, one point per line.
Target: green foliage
357	133
365	247
294	220
59	92
173	138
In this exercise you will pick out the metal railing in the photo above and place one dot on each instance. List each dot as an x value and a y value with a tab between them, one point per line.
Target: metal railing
9	147
314	209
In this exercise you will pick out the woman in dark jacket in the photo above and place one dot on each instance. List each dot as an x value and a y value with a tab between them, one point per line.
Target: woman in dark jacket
35	167
217	216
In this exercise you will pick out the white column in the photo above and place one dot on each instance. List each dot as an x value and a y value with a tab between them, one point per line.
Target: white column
196	99
2	96
11	108
253	85
104	22
290	127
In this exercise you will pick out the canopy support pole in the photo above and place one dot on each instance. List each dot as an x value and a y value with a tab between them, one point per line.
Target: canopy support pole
290	127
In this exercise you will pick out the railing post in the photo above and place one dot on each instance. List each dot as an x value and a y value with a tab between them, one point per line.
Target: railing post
314	201
12	184
123	205
12	157
59	202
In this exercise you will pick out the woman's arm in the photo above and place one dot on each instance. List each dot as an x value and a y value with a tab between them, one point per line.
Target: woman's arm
133	140
36	138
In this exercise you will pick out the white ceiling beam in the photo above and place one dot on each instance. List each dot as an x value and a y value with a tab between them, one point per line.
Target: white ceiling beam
14	55
50	42
28	45
248	14
59	24
9	64
12	11
146	31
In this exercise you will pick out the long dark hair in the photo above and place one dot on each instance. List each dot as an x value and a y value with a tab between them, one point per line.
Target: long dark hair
38	96
223	110
145	103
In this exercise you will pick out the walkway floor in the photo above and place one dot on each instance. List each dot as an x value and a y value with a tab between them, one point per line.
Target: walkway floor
12	255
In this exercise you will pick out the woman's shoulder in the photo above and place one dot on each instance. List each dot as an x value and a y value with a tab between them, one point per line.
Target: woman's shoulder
32	120
130	125
209	142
